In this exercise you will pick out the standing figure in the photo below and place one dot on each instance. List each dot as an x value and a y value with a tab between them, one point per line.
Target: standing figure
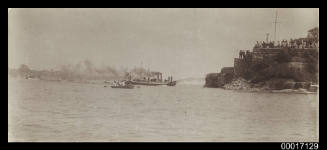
298	42
257	45
291	43
247	55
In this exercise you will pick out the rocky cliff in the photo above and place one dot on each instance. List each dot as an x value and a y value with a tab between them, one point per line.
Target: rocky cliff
269	68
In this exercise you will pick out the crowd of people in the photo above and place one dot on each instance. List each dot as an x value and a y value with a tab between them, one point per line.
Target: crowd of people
301	43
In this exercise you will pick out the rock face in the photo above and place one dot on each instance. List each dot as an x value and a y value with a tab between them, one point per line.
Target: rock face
220	79
238	84
212	80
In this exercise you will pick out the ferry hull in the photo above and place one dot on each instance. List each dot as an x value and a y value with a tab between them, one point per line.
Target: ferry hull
123	87
153	83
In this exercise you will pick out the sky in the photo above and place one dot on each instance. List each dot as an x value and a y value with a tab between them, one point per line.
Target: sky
182	42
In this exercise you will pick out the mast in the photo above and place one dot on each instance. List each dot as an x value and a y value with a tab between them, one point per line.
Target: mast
267	37
141	64
275	22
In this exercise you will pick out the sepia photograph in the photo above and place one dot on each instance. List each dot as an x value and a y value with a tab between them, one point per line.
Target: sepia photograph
163	75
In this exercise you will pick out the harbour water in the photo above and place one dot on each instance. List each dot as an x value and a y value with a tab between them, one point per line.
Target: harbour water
63	111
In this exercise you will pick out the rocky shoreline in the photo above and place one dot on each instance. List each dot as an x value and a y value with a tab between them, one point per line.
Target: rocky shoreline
241	84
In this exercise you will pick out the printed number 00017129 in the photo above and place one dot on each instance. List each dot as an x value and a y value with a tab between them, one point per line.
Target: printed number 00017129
300	146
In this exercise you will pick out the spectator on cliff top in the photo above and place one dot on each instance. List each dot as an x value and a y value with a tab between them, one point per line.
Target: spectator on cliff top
283	43
298	42
247	53
309	43
291	43
313	44
264	44
305	45
273	44
257	45
242	54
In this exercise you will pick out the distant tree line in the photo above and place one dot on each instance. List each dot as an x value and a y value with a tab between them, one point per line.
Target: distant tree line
82	71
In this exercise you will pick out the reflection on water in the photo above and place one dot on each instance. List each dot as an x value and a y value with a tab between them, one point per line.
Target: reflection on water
55	111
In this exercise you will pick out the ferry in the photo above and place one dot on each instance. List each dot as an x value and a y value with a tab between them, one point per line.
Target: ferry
153	79
172	83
